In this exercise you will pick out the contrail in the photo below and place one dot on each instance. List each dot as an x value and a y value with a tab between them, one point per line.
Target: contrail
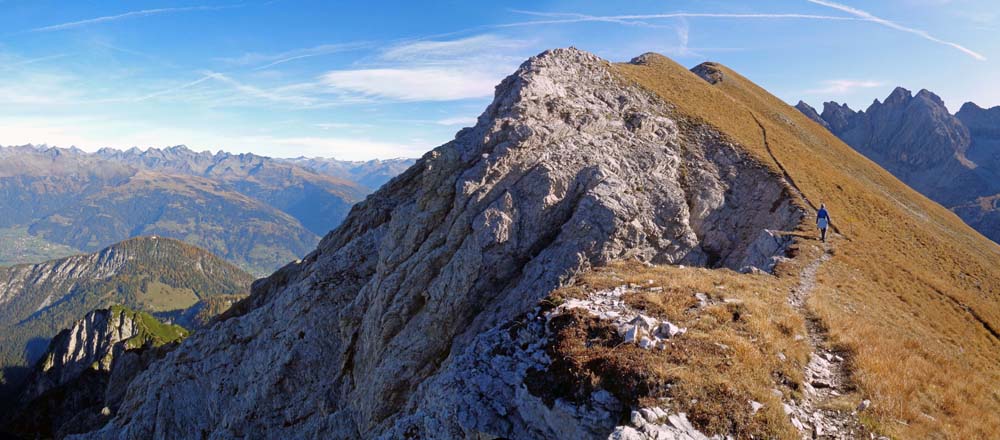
632	19
142	13
866	16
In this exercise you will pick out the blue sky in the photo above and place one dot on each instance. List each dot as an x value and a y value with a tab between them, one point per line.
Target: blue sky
388	79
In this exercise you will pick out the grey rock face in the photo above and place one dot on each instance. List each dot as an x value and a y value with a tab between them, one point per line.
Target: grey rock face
909	132
404	321
984	128
92	344
809	111
838	117
80	381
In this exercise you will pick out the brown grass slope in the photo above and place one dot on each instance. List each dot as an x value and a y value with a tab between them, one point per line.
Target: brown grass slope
912	294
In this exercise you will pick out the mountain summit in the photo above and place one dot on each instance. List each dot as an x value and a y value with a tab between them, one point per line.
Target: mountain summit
481	293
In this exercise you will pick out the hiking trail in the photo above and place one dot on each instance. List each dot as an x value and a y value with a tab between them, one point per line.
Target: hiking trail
821	412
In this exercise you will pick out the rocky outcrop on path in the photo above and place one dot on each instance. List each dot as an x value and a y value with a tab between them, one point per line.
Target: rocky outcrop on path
409	320
635	328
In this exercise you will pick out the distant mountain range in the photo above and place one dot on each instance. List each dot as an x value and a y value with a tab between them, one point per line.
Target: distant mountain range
255	211
370	174
157	275
952	158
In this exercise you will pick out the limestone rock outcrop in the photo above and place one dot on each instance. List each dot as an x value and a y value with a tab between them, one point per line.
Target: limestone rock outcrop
414	318
84	373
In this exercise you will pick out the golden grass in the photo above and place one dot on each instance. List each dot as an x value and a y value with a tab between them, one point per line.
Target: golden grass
729	355
912	292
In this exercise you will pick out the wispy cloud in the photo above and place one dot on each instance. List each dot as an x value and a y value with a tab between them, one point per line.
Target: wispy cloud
575	17
414	84
126	15
432	70
427	51
266	61
866	16
844	86
640	19
31	88
457	120
342	126
218	89
37	60
172	89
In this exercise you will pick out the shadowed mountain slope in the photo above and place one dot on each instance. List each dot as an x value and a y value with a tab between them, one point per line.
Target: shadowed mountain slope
83	369
146	273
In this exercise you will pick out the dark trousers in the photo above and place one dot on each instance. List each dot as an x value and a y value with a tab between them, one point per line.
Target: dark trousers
822	234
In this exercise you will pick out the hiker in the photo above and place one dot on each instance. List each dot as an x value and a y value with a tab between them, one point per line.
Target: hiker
822	221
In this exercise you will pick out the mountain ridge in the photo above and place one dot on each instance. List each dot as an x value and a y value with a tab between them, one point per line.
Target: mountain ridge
91	200
952	158
431	311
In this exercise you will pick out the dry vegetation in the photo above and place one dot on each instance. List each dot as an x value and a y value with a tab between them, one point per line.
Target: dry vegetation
911	293
731	354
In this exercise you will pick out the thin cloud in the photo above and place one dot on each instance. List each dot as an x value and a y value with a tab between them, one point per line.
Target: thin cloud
637	19
585	17
126	15
271	60
259	93
414	84
844	86
425	50
458	120
893	25
432	70
305	95
173	89
342	126
38	60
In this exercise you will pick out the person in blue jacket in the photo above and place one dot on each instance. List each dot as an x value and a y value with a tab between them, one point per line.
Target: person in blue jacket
822	221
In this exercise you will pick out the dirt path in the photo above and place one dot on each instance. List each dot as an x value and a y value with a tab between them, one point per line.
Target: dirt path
822	412
788	177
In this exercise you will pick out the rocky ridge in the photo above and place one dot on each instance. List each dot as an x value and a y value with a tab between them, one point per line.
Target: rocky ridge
94	342
152	274
953	159
400	323
85	370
